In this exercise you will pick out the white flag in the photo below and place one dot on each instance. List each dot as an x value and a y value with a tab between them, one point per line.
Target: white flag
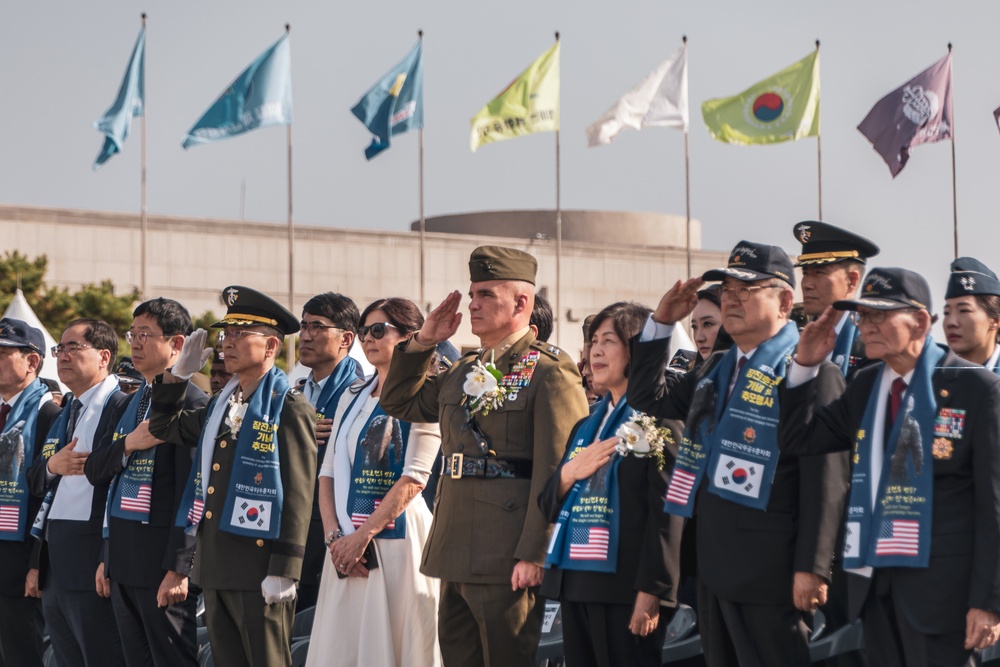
660	100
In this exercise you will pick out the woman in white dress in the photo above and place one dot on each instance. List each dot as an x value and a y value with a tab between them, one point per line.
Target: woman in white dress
369	496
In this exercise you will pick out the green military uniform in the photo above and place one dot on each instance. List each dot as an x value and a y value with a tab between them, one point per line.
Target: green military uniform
483	526
243	629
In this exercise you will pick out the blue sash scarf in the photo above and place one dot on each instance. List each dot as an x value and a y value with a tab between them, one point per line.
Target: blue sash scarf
845	344
737	440
131	492
54	442
897	532
17	449
378	464
346	372
253	500
585	536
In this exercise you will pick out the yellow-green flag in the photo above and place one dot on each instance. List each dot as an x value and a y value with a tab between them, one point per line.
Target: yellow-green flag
783	107
529	104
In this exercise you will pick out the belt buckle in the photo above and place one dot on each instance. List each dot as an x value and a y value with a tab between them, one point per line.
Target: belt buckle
457	460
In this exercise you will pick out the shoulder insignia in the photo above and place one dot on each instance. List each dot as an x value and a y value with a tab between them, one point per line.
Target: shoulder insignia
294	392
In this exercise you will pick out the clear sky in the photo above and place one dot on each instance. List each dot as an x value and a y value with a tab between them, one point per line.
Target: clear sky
64	61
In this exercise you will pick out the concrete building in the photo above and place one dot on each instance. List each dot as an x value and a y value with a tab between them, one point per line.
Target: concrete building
607	256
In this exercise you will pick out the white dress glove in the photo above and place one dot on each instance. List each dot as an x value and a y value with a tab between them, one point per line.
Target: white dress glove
193	357
277	589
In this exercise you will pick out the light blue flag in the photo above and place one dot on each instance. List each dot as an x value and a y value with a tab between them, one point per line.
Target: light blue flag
395	104
117	120
261	96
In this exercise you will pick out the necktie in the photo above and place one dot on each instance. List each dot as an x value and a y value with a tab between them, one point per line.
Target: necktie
736	376
4	411
896	392
74	414
143	404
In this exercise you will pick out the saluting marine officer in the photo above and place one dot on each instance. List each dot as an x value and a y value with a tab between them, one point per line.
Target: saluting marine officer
249	497
488	539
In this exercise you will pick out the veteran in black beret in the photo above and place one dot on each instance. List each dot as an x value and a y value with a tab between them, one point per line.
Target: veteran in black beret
833	264
922	523
249	497
972	312
767	524
487	543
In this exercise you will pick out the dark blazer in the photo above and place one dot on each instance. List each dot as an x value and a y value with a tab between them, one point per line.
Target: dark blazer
233	562
140	554
746	555
964	570
72	550
16	557
648	543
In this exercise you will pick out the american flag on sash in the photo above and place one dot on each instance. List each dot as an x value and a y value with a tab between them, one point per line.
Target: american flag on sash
364	508
898	538
681	485
194	514
589	544
8	517
135	496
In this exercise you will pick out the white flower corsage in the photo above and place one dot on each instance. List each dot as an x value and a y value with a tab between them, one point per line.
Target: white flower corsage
482	386
237	409
642	436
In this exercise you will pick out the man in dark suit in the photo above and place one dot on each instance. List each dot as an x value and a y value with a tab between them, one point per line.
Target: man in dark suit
761	569
249	496
488	539
924	428
327	331
148	558
22	435
79	619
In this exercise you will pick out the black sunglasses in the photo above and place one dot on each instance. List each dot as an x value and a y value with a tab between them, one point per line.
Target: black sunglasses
377	330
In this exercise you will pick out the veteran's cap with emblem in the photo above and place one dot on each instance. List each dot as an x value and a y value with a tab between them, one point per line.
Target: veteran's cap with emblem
493	262
18	333
890	289
248	308
969	276
126	372
825	244
755	261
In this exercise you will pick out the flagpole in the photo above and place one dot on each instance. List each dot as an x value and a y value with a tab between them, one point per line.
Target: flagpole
819	162
290	351
423	221
142	205
558	301
954	188
687	182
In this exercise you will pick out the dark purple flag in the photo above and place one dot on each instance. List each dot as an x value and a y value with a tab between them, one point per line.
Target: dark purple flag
918	112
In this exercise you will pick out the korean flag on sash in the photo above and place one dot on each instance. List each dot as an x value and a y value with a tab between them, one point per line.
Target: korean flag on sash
852	540
738	475
252	514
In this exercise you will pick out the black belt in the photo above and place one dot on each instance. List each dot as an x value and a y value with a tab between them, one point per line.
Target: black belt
458	466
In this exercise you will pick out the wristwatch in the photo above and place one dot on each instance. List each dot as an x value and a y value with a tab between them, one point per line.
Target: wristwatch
333	536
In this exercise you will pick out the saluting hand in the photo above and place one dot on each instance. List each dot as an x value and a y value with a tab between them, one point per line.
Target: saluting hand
442	322
818	339
66	461
194	355
678	302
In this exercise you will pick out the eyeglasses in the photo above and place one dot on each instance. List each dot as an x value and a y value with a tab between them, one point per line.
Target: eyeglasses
141	336
313	328
237	334
70	348
743	292
377	330
874	316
